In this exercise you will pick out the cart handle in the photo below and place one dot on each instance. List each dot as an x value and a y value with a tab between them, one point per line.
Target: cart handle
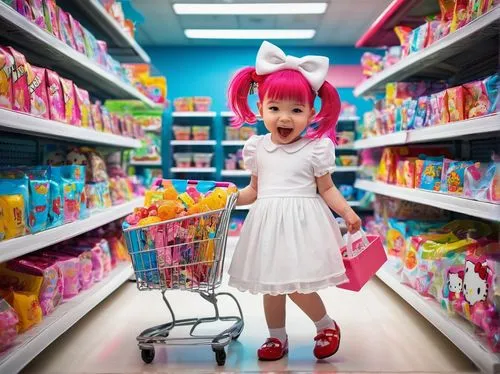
159	181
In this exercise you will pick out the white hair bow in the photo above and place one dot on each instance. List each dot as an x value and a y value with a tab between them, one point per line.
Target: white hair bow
271	58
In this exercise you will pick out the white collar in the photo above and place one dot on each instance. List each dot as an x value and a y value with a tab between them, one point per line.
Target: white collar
288	148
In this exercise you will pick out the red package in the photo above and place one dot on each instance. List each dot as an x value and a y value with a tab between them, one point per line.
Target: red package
83	103
97	116
459	15
50	11
456	103
7	66
442	101
71	110
55	96
38	92
476	99
20	89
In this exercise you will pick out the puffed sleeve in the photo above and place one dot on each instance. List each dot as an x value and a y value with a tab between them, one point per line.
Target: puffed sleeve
323	157
250	153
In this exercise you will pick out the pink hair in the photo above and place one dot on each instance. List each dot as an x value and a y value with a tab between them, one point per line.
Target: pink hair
284	85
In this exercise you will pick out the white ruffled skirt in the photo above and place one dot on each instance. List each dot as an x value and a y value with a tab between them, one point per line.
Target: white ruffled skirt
287	245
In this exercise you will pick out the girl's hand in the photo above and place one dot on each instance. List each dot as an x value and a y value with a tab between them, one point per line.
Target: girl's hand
352	221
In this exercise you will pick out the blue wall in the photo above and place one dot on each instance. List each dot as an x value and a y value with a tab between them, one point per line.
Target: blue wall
206	71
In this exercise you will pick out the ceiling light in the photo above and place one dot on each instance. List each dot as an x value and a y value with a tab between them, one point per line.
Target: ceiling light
248	34
251	8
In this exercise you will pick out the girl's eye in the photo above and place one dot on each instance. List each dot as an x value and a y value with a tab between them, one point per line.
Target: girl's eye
274	108
297	110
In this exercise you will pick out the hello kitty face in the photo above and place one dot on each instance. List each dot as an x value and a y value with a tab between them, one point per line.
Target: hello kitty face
455	282
475	282
55	158
76	158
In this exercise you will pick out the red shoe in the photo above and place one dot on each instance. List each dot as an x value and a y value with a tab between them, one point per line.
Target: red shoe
273	349
327	343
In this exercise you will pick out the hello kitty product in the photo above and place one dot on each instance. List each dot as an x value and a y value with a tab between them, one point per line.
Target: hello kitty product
38	92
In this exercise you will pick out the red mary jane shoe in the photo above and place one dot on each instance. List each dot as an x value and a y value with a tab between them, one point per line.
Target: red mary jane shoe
327	343
273	349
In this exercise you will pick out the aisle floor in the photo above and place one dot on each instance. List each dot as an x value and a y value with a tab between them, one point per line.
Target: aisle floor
380	334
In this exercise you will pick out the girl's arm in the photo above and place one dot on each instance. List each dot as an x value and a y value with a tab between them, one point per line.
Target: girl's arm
248	194
337	203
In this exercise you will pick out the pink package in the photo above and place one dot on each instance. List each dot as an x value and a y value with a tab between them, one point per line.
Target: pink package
70	269
85	257
7	66
83	103
65	28
50	10
106	252
97	258
8	325
71	110
20	89
24	9
37	13
38	92
55	96
51	291
77	32
102	50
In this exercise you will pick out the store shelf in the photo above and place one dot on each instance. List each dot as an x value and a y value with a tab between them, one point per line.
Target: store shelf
193	142
31	343
236	173
120	44
156	129
145	163
345	148
193	114
231	114
233	143
347	169
193	170
13	248
428	59
37	44
453	203
27	124
348	119
475	126
455	328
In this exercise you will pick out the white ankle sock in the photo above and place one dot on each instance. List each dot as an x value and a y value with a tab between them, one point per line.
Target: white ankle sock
279	333
324	323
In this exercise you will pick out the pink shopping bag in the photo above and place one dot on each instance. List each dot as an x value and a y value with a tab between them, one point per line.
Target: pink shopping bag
362	259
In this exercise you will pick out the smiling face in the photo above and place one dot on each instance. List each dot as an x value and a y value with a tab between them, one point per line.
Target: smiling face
285	119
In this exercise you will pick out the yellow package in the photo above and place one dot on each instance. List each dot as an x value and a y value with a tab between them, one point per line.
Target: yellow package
12	214
19	281
152	197
156	87
26	306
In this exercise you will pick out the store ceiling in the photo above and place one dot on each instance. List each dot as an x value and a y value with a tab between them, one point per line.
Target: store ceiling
342	24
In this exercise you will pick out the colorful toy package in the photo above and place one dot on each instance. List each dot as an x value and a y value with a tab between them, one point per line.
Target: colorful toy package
418	38
20	76
37	13
476	99
50	15
83	103
65	32
85	268
460	16
38	92
13	206
8	325
55	95
70	269
7	67
492	85
482	182
454	177
70	203
39	197
26	306
456	103
71	109
431	175
77	32
442	104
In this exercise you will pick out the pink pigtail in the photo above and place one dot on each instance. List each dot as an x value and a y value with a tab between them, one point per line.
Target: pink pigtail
328	115
238	97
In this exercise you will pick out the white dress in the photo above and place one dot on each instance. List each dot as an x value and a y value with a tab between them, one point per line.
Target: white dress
290	241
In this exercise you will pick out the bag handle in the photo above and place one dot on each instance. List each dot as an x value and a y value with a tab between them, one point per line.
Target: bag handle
365	240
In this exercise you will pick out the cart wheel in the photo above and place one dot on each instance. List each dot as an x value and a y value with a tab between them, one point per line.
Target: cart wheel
148	355
220	357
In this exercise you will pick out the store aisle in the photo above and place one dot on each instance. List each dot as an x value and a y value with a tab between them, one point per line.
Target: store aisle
381	333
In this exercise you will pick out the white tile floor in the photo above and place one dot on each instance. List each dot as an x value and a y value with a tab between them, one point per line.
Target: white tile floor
380	333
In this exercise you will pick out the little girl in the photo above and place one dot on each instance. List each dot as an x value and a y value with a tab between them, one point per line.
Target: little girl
290	242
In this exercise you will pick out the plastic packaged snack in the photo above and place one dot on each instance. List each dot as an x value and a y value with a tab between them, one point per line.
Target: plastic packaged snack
460	16
476	99
492	85
8	325
409	173
55	97
39	196
13	207
456	103
232	133
91	48
56	212
482	182
431	175
85	268
371	64
7	67
442	103
38	92
202	160
183	160
26	306
50	15
83	103
70	270
201	132
403	33
20	76
65	28
71	110
97	116
106	120
182	132
38	13
77	32
455	177
418	38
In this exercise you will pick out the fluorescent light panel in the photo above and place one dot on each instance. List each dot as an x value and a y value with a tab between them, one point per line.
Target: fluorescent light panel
248	34
251	8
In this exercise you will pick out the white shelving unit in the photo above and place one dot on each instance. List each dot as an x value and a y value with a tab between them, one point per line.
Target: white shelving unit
455	328
347	169
64	59
25	123
453	44
236	173
13	248
453	203
461	129
145	163
194	114
123	45
31	343
156	129
231	143
193	170
193	142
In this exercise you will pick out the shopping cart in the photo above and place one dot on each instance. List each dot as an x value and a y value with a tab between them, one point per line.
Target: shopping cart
185	254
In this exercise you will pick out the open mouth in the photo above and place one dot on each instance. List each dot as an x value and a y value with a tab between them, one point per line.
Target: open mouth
284	132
